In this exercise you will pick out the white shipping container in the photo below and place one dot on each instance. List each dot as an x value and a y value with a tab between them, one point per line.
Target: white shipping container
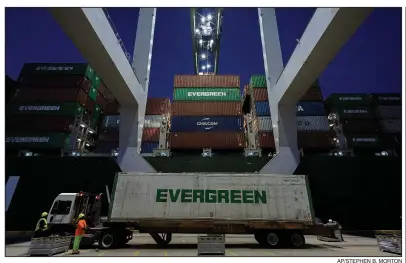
304	123
153	121
143	196
391	126
389	112
312	123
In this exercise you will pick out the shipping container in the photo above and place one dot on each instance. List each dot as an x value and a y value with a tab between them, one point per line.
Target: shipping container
153	121
260	94
96	81
264	124
258	81
349	99
262	108
394	99
266	140
206	123
110	135
311	109
203	108
101	101
220	197
112	108
363	141
360	126
157	106
206	94
104	91
90	105
150	134
312	123
47	95
55	82
60	109
42	123
391	125
200	140
57	69
111	121
38	141
389	112
93	93
354	112
205	81
148	147
315	140
96	112
106	147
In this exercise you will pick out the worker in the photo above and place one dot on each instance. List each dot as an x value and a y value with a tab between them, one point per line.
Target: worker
80	231
41	229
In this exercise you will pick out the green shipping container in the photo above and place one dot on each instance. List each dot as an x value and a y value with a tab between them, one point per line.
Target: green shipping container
96	81
93	93
349	99
61	109
39	141
258	81
96	112
207	94
57	69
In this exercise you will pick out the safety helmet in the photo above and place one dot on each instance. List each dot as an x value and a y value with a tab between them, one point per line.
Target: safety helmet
44	214
81	216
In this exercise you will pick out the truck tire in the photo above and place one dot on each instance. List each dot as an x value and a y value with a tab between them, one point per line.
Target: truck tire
260	238
297	240
107	240
272	239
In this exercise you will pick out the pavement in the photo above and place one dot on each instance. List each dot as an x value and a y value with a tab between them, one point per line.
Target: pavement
185	245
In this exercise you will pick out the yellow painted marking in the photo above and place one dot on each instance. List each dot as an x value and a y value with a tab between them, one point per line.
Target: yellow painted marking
165	254
101	254
270	253
136	253
231	253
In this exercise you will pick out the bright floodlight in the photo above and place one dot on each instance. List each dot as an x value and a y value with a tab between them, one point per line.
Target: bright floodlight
211	41
203	67
197	30
209	17
203	56
203	19
200	41
208	66
200	73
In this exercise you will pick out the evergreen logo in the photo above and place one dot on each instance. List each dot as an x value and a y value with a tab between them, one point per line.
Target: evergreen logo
355	111
27	139
350	98
364	139
207	94
39	108
52	68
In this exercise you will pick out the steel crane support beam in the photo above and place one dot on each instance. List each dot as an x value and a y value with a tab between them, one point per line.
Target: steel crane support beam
328	30
91	32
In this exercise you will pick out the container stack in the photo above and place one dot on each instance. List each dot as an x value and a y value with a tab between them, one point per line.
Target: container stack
312	122
388	110
157	109
206	113
56	107
355	119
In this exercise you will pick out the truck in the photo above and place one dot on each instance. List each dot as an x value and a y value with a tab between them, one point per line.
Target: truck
275	209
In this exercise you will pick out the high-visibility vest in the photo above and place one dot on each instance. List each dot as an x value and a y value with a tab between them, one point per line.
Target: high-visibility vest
38	227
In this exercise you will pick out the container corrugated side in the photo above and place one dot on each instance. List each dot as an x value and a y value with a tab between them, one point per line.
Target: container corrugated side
110	135
203	108
153	121
206	94
349	99
363	141
54	82
157	106
228	197
206	123
57	69
389	112
262	108
258	81
394	99
111	121
311	109
37	140
312	123
354	112
260	94
106	147
54	95
207	81
21	123
315	140
391	125
148	147
360	126
60	109
200	140
264	124
150	134
266	140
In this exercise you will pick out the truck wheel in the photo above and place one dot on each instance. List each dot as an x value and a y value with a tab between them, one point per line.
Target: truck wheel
297	240
107	241
272	239
260	238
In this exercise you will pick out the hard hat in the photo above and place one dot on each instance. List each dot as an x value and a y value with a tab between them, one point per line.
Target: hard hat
81	216
44	214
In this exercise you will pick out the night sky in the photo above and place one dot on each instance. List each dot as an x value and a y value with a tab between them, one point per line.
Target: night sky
369	62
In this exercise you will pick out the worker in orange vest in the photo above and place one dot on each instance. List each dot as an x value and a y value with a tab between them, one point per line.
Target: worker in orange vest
80	231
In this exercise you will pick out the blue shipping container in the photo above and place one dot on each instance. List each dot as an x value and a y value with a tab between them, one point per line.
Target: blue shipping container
201	124
303	109
148	147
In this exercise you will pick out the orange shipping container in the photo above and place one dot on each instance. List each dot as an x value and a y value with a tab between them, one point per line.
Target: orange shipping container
215	81
203	108
150	135
260	94
266	140
157	106
315	140
200	140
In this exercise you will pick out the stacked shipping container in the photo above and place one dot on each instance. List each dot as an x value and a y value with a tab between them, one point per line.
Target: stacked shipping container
206	113
312	122
61	105
156	110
